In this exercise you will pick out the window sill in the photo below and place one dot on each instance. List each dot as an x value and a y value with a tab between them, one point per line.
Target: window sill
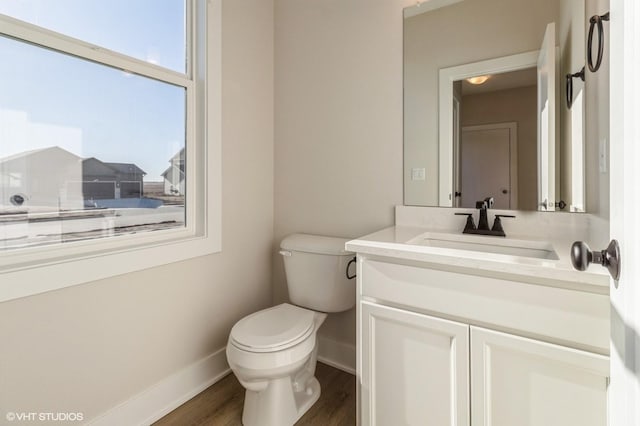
33	280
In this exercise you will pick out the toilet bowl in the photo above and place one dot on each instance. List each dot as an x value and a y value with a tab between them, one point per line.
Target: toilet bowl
273	352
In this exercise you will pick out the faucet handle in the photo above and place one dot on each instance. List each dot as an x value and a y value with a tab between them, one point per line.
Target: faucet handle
470	225
489	201
497	223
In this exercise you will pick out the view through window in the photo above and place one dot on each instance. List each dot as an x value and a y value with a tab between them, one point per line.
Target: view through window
87	149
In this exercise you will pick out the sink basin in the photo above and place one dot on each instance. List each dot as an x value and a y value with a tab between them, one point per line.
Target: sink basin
481	244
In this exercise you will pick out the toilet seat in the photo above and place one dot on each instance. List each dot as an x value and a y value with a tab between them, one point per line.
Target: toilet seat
273	329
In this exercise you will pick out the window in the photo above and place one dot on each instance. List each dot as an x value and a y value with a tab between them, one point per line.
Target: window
109	137
94	144
150	30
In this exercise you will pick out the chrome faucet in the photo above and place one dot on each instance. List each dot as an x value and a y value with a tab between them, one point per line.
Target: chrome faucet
483	223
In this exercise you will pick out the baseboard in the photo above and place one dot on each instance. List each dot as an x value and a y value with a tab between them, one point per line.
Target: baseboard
337	354
165	396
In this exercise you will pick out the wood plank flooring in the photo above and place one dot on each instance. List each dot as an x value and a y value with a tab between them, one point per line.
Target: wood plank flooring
221	404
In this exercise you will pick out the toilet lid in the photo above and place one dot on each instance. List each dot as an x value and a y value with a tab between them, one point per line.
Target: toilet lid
273	329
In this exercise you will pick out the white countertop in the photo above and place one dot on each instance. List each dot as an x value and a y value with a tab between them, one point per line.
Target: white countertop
394	242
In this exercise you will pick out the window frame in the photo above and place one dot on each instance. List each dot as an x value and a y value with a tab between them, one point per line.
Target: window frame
33	270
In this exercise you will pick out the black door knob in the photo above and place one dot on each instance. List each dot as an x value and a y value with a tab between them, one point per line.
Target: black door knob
582	256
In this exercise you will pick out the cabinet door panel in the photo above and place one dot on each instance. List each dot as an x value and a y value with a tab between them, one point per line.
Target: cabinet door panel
415	369
524	382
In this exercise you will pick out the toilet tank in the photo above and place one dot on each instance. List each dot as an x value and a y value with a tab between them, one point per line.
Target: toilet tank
316	270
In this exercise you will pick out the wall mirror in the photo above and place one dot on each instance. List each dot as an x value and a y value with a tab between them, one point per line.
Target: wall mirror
485	105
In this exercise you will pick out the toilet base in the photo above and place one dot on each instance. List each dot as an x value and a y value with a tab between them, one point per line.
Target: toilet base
279	405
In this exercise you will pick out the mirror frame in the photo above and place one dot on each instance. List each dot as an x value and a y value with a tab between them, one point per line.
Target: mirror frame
445	105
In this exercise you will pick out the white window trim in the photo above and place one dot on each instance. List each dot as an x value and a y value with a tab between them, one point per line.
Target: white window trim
41	269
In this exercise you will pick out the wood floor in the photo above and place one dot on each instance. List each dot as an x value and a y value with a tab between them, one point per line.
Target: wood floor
221	404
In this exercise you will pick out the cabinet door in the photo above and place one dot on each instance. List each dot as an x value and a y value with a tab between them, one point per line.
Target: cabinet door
415	369
524	382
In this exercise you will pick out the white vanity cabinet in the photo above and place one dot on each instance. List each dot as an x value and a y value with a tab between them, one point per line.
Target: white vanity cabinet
520	381
417	368
450	346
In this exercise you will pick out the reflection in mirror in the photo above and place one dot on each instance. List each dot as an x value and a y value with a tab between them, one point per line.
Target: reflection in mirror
512	136
490	134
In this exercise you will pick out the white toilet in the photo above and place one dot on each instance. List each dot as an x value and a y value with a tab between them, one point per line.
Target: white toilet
273	352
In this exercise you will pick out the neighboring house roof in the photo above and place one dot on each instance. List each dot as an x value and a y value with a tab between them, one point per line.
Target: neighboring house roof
126	168
178	156
94	167
177	162
36	151
121	168
173	174
115	168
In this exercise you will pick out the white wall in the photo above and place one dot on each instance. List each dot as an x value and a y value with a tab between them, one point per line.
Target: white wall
90	347
338	127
